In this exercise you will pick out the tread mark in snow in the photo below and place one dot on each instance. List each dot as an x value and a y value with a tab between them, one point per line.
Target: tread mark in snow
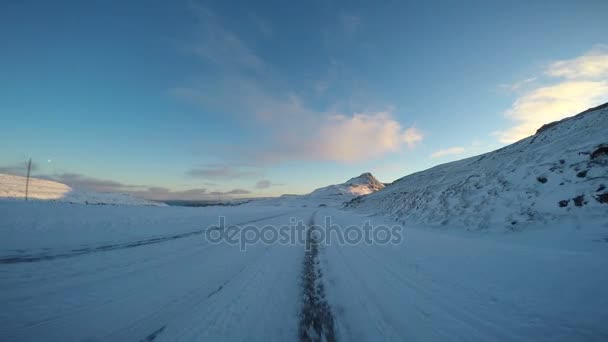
215	291
154	334
316	320
15	259
81	251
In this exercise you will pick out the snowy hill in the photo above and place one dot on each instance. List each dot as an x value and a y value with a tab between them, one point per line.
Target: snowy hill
560	174
364	184
13	187
335	194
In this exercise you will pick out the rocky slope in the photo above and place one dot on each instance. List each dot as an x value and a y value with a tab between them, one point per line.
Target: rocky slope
560	174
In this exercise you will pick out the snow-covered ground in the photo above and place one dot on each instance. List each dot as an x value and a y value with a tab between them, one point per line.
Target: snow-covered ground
560	173
71	272
77	272
13	187
105	273
538	285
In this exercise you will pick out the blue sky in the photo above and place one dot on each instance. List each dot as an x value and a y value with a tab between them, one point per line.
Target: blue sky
188	99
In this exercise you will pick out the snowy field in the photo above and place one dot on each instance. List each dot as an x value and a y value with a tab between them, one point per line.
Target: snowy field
444	285
71	272
508	246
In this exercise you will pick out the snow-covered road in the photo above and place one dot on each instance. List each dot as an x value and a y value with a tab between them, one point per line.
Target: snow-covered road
442	285
178	289
436	285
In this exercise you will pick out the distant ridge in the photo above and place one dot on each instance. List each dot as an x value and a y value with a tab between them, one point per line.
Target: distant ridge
13	187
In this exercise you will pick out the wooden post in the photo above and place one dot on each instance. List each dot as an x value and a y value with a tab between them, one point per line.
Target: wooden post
27	179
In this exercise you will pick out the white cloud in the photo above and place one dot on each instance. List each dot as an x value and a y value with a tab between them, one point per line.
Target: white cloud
552	103
18	169
232	192
448	152
287	126
593	65
80	181
263	184
221	46
412	136
577	84
344	138
362	136
519	84
221	172
291	130
262	25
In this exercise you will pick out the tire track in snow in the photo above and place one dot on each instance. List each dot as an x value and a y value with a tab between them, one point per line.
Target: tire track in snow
15	259
154	334
195	298
104	248
316	319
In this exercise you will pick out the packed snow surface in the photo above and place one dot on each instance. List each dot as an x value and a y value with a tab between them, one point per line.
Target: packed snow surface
71	272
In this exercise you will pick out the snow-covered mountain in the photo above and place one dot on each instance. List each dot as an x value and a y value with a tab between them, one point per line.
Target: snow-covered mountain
335	194
13	187
560	174
364	184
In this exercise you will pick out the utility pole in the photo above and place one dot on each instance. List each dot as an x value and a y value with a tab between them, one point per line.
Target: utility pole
27	179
